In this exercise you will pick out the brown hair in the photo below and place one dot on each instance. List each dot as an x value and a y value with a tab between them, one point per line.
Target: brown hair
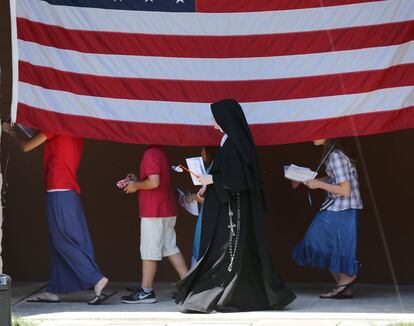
346	145
210	151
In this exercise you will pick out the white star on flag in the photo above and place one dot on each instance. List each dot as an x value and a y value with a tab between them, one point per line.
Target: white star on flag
182	1
149	0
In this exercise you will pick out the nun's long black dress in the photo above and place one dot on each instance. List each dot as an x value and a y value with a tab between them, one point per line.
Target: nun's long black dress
249	282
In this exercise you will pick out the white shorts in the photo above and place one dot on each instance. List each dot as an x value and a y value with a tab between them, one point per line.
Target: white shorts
158	238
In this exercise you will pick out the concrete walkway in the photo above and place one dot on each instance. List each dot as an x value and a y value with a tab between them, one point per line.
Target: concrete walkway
373	305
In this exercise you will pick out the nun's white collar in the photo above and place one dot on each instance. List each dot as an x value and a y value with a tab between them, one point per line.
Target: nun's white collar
223	140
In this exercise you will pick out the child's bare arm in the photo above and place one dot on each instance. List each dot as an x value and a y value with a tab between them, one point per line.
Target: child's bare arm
343	189
152	182
25	145
296	184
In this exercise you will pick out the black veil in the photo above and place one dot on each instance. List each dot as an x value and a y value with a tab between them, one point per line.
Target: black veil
230	117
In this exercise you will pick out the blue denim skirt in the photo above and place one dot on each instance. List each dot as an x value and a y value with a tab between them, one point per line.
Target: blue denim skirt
331	242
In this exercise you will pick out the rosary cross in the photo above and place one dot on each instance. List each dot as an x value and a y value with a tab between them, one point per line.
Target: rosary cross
231	226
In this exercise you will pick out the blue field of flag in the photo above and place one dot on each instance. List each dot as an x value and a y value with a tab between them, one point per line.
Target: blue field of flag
139	5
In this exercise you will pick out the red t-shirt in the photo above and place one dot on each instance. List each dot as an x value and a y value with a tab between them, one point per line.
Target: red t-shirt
62	155
158	202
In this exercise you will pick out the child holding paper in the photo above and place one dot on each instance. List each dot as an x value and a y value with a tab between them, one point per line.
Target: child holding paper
157	208
207	153
330	242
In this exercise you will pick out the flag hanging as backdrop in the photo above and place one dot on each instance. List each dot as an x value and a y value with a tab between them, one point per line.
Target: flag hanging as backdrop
145	71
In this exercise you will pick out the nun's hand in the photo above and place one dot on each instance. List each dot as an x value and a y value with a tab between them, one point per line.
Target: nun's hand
206	179
200	194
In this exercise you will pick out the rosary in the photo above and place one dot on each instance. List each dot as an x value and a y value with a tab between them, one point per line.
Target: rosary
234	236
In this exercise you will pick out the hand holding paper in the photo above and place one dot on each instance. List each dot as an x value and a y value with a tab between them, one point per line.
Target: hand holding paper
312	184
197	169
121	184
189	198
201	192
191	207
298	173
206	179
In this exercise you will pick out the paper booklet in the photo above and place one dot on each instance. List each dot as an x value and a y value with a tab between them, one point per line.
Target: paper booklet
298	173
192	207
26	130
196	166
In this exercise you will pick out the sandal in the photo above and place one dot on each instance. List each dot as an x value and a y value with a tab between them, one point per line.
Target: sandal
99	299
40	300
340	294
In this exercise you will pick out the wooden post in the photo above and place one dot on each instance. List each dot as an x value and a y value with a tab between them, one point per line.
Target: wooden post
1	213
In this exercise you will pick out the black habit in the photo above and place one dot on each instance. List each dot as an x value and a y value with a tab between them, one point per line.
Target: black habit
235	272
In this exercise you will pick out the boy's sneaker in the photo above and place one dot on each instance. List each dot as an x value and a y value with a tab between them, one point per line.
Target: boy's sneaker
132	288
140	296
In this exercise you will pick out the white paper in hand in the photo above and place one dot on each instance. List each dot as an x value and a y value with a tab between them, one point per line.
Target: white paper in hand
298	173
196	166
192	207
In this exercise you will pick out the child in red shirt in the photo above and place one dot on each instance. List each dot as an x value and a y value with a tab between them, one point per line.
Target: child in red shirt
157	207
73	266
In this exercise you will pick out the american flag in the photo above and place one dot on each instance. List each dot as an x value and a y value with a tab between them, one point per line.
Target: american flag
145	71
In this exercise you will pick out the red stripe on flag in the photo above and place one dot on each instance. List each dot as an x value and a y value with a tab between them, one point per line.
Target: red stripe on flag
210	91
217	6
216	46
169	134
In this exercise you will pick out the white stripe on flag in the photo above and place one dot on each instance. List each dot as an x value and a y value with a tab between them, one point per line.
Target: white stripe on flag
199	113
286	21
217	69
15	61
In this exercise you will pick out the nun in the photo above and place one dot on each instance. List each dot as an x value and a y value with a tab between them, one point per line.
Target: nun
235	272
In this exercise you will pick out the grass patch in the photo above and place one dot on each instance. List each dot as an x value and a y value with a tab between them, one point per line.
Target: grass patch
17	321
